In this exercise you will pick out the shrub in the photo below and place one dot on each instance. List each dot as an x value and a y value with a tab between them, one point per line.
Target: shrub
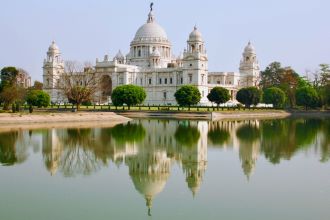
219	95
38	98
307	97
188	95
274	96
129	95
249	96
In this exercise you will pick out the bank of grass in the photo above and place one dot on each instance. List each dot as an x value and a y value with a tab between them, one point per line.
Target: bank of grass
152	108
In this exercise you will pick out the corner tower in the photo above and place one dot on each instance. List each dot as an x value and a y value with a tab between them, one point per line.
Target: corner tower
52	69
195	64
249	67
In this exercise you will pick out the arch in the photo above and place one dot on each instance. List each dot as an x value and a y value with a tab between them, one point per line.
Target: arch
106	87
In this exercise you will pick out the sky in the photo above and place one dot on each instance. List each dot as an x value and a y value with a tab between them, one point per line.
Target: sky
293	32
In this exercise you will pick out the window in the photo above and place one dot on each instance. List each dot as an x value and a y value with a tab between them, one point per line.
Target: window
48	82
190	78
141	81
190	64
165	95
181	80
160	81
139	53
121	81
165	80
218	82
203	76
149	81
171	80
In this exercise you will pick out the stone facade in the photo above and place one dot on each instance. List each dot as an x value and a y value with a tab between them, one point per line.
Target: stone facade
151	64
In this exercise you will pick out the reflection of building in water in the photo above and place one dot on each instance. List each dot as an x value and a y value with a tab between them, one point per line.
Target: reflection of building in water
194	160
249	146
149	172
248	154
242	135
52	149
150	147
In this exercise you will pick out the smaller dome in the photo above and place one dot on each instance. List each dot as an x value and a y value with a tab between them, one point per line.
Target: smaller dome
119	55
53	47
195	35
249	48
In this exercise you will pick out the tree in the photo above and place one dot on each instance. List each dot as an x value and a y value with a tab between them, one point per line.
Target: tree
38	98
8	89
37	85
188	95
271	75
322	84
8	76
284	78
218	95
274	96
79	82
249	96
307	97
129	95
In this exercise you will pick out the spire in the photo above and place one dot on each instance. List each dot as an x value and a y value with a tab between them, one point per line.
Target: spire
149	204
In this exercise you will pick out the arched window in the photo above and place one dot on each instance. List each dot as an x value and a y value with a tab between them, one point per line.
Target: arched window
139	53
192	48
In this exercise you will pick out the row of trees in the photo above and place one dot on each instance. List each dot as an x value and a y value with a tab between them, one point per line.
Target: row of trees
298	90
12	93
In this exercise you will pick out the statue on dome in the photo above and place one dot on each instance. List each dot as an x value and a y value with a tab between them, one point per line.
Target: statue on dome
151	5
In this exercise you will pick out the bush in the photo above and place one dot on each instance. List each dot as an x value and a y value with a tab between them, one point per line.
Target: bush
129	95
219	95
249	96
188	95
38	98
307	97
274	96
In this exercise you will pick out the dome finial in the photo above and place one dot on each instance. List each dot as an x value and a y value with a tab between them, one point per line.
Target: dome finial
195	27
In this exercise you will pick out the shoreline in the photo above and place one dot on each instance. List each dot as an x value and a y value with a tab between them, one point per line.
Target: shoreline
44	119
241	115
59	120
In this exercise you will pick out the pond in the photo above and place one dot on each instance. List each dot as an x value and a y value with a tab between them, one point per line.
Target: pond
168	169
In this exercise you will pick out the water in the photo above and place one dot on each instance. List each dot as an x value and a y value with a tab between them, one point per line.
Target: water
168	169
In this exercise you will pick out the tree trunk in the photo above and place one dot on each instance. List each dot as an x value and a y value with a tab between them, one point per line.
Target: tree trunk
129	107
188	107
6	106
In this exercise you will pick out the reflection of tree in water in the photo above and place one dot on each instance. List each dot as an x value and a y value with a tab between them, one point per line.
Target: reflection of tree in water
79	153
218	135
128	133
281	139
187	135
248	132
325	141
7	148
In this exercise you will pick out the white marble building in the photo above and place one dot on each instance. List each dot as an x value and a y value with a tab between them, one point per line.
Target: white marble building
151	64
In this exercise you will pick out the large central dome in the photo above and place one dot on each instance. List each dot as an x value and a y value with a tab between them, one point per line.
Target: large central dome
150	30
150	40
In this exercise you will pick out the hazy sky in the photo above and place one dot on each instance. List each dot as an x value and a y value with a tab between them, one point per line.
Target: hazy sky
294	32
